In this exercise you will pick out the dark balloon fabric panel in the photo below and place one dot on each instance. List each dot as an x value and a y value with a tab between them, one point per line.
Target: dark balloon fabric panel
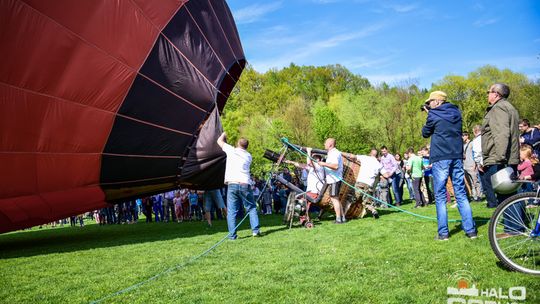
170	69
105	101
147	101
139	169
184	35
130	137
204	165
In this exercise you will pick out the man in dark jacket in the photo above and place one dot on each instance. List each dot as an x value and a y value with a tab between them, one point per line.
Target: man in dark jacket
500	139
443	124
500	149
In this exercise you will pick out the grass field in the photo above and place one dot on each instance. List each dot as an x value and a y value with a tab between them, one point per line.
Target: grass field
391	260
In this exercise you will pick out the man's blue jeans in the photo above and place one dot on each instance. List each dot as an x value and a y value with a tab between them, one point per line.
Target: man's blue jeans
442	169
238	195
396	188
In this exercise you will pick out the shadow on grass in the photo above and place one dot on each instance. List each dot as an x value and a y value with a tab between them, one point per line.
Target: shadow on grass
72	239
266	232
503	267
480	221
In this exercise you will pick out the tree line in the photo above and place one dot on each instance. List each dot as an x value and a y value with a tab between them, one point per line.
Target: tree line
307	104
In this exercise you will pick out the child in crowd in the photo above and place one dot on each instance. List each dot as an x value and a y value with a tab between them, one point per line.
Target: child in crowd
194	206
525	167
177	201
267	201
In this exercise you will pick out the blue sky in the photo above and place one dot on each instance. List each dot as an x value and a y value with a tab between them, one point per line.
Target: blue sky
392	41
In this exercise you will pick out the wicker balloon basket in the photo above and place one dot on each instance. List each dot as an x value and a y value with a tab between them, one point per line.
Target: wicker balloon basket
352	206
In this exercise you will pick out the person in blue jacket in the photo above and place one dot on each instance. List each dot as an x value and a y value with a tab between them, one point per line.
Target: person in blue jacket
529	136
443	125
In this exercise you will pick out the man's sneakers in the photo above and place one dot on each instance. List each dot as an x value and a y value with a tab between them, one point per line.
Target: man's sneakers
472	235
441	237
376	215
257	234
342	221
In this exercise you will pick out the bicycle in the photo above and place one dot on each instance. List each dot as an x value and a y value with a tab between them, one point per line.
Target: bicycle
514	232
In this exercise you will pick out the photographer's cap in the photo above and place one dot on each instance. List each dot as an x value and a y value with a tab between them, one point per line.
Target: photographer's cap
438	95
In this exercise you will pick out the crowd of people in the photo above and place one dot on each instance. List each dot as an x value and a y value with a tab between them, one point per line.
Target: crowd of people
454	169
172	206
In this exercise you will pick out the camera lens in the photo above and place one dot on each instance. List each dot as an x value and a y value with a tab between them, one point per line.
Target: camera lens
424	107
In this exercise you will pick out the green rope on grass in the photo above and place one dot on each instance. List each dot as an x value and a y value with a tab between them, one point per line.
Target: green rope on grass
192	259
166	271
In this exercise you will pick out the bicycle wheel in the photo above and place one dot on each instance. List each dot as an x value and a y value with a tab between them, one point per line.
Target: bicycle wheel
510	233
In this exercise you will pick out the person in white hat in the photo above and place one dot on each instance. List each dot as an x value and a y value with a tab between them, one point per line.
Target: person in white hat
443	125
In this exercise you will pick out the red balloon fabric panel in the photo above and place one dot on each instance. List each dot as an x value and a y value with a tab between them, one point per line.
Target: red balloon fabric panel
102	101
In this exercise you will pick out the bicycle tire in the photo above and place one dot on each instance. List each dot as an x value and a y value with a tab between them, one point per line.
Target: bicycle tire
508	211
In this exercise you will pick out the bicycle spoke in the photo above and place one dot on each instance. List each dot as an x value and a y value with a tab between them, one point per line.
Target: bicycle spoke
515	244
534	259
530	216
516	232
516	221
518	250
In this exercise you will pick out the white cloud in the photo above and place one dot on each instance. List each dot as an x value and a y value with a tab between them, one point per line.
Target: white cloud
336	1
367	63
341	38
307	50
402	8
485	22
393	78
275	36
325	1
254	12
478	7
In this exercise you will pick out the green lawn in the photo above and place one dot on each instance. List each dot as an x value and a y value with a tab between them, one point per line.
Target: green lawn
391	260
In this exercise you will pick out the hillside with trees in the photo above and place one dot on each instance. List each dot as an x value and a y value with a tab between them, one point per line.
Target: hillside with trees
308	104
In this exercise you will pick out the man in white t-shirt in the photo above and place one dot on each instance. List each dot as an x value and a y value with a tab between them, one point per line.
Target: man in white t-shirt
315	177
334	173
370	169
239	190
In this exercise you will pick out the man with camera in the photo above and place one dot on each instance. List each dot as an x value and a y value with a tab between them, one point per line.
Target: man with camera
443	125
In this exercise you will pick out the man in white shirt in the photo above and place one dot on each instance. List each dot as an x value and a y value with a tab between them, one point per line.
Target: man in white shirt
370	169
315	176
334	173
237	178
